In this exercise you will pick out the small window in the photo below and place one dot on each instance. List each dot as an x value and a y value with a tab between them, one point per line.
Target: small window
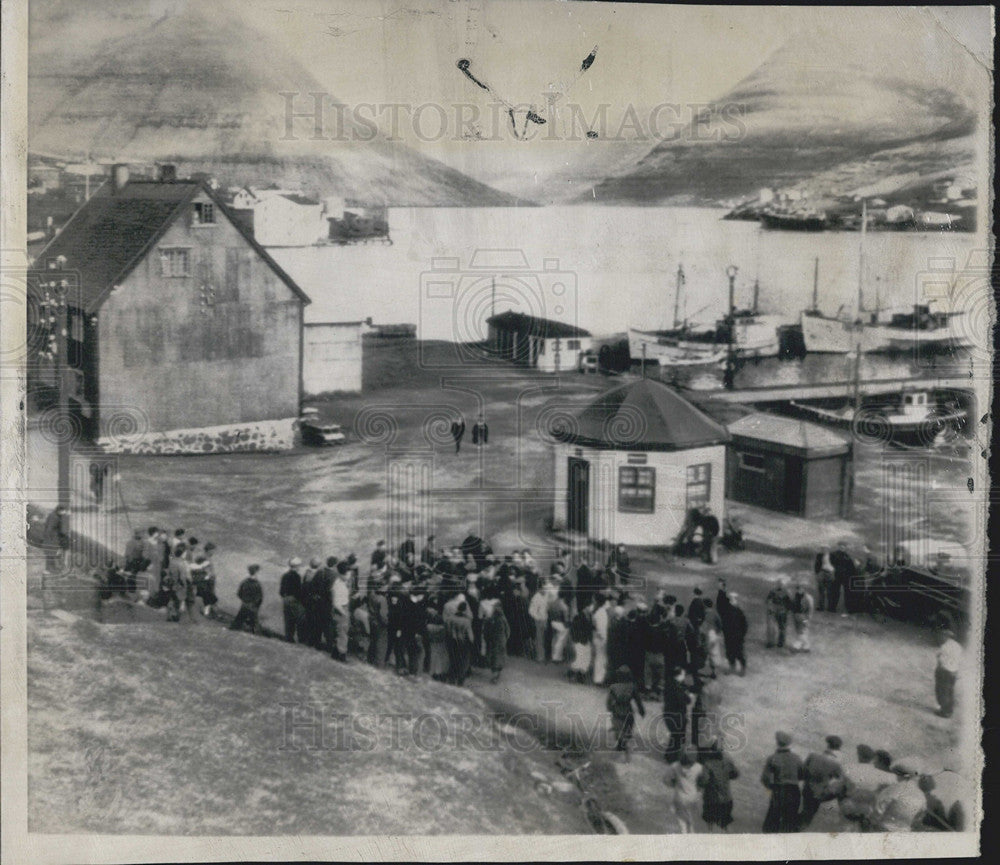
636	490
699	484
204	213
541	345
572	345
752	462
908	400
175	262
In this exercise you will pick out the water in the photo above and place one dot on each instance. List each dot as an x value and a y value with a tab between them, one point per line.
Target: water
608	268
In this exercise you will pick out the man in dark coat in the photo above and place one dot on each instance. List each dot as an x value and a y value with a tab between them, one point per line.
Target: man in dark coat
290	591
473	546
617	647
321	603
823	779
457	431
55	539
396	647
843	572
635	644
480	431
735	628
378	556
654	640
696	609
584	584
675	651
709	532
251	596
427	555
98	475
782	773
675	713
408	548
619	567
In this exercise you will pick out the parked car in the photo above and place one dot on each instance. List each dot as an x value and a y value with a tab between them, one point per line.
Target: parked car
587	361
318	432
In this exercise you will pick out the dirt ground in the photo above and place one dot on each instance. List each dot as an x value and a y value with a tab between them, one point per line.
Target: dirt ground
865	681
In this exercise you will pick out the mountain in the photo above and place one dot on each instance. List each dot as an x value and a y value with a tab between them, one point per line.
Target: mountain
204	90
823	102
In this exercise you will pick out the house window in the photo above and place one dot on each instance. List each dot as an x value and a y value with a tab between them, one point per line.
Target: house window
572	345
752	462
636	490
175	262
699	484
204	213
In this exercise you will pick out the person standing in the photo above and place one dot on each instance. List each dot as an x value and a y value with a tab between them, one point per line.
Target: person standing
457	432
558	613
711	631
321	601
735	633
621	697
340	604
496	632
581	632
619	566
378	557
152	551
408	549
777	605
98	475
825	576
844	571
709	536
655	644
55	539
461	632
538	609
675	713
717	796
635	643
208	597
705	713
251	596
176	583
802	611
823	780
949	660
782	773
290	592
427	555
685	778
601	622
480	432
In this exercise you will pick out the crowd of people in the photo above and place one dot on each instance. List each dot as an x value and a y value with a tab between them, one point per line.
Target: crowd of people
442	611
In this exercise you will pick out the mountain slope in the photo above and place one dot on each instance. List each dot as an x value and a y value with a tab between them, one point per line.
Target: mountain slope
815	104
204	88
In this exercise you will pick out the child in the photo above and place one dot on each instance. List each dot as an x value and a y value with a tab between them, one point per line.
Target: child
684	779
621	695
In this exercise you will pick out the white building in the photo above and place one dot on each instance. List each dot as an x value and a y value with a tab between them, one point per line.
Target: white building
546	345
288	219
331	357
632	464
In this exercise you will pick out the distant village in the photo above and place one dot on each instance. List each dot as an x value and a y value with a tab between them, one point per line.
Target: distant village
941	203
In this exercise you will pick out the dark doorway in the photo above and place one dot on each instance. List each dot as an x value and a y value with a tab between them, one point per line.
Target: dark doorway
793	485
579	495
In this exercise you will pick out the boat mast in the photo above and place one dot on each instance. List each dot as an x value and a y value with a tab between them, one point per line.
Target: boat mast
756	293
861	257
815	306
677	295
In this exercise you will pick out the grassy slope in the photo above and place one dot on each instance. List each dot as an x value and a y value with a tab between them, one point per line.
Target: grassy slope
134	730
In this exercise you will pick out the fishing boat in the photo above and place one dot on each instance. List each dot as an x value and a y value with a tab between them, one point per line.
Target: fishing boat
799	219
686	344
915	419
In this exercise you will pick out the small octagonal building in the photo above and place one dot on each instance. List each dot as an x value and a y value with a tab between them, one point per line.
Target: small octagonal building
632	463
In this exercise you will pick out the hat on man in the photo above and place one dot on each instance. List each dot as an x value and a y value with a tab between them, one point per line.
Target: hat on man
783	739
834	743
295	562
253	569
315	562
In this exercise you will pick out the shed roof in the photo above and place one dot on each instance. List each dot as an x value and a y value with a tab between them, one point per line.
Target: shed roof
113	231
807	438
545	328
643	415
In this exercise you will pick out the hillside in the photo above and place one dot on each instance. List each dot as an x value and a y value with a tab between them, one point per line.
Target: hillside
821	111
157	729
187	88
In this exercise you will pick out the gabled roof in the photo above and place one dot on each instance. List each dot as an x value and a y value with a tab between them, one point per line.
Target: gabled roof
297	198
643	415
113	232
800	436
545	328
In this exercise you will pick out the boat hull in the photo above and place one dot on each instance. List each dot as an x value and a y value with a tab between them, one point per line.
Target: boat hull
672	351
824	335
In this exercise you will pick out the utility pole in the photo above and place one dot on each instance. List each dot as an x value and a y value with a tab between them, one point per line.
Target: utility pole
815	306
677	296
644	360
729	376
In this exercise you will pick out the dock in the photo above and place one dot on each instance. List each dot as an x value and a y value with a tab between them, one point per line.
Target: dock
831	390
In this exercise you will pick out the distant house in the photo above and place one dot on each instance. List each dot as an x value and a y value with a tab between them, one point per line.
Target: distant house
541	343
186	334
288	219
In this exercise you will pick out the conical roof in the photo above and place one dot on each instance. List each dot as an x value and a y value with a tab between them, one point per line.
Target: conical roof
643	415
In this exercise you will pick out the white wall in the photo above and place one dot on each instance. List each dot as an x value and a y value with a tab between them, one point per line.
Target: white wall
277	221
568	358
659	528
331	358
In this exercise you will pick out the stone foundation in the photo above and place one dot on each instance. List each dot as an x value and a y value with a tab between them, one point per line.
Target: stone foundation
265	435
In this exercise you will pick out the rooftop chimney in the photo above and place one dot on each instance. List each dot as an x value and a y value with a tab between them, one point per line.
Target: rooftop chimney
119	176
168	173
